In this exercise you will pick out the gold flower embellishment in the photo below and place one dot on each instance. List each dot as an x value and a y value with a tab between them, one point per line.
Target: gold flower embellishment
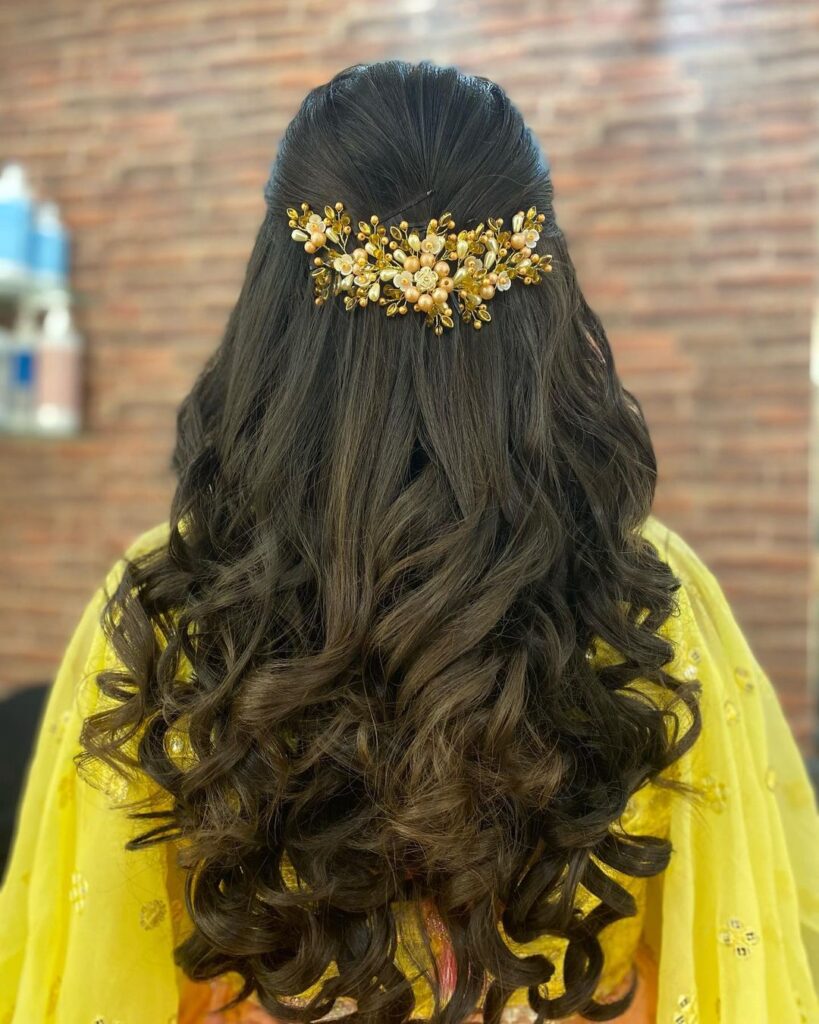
404	269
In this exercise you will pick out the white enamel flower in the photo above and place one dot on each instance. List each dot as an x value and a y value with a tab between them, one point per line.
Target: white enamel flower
363	279
432	243
344	264
316	223
402	280
504	281
426	279
531	237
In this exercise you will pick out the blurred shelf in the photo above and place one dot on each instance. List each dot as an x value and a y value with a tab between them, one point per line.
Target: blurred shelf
33	291
33	434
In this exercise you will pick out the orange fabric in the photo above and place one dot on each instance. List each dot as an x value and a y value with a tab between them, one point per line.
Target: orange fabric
201	1002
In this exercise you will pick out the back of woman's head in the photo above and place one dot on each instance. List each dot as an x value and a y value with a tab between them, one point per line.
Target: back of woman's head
390	556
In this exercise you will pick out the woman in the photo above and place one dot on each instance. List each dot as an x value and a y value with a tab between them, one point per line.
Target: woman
412	709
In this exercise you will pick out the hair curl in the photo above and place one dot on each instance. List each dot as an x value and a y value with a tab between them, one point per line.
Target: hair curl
389	554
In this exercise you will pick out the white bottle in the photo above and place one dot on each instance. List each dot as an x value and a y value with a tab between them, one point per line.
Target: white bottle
16	227
57	389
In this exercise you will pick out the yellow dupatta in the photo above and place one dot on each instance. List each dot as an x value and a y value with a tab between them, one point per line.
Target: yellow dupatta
87	929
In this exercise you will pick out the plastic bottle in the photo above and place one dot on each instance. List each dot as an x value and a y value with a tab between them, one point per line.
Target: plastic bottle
21	373
15	224
49	250
57	390
5	369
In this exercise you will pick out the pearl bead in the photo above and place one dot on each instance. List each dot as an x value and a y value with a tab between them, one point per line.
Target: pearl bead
442	268
526	251
427	259
493	278
447	283
440	295
412	263
425	302
487	291
517	240
412	294
309	247
318	238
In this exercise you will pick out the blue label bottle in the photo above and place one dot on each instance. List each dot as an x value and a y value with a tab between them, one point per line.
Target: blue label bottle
15	224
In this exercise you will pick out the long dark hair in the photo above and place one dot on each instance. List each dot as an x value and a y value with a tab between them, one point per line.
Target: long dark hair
389	555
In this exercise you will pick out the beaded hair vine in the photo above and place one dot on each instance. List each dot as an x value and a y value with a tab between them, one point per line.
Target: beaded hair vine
404	269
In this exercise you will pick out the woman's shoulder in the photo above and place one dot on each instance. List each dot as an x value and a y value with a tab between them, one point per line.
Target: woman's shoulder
684	560
154	537
670	546
668	542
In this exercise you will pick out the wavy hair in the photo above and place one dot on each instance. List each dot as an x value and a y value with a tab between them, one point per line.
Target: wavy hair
389	556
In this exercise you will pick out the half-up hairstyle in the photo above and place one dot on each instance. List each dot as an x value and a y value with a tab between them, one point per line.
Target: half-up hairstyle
389	556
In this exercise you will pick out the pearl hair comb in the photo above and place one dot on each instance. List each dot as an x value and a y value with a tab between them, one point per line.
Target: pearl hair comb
403	269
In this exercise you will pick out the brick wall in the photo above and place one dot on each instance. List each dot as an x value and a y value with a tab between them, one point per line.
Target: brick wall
683	138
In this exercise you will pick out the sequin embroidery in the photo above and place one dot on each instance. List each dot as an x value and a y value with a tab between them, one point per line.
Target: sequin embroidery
152	914
742	677
686	1011
78	891
716	793
738	937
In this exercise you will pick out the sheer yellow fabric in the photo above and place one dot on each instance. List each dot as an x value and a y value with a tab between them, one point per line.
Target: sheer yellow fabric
87	929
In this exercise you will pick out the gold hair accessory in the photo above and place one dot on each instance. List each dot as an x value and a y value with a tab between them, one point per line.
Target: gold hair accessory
402	270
